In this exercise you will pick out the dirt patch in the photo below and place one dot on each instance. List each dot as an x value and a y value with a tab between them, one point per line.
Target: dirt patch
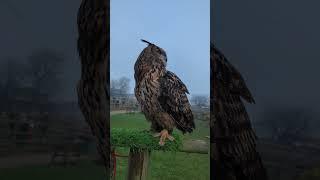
117	112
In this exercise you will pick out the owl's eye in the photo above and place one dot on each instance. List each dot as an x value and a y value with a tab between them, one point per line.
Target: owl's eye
165	59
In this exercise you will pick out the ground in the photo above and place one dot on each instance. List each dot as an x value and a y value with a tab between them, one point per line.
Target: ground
282	161
164	165
288	162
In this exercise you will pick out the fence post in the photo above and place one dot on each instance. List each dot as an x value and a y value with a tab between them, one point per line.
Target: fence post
138	164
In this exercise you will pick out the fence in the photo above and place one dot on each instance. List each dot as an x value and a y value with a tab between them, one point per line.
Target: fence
60	136
142	143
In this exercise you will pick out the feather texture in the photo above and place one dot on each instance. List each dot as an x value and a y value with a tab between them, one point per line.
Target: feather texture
161	94
93	91
174	101
233	140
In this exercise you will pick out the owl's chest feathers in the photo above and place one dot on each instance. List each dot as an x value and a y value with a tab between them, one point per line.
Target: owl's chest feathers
150	84
148	88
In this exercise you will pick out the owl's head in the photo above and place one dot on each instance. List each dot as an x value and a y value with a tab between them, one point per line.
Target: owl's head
156	51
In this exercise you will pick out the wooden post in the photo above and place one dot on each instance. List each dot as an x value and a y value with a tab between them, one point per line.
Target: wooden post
138	164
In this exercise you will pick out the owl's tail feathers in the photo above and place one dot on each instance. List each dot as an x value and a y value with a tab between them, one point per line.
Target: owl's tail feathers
146	42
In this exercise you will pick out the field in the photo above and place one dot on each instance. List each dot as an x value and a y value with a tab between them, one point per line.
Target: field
285	162
82	171
164	165
288	162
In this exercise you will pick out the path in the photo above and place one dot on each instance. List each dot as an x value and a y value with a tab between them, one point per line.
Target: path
117	112
15	161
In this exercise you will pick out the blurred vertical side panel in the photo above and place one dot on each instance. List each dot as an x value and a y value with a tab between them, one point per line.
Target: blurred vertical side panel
93	87
233	141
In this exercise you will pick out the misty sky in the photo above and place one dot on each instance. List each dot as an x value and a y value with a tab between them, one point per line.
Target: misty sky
31	25
181	29
275	45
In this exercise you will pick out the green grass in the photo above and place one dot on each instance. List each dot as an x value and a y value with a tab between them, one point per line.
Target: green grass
137	140
137	121
165	165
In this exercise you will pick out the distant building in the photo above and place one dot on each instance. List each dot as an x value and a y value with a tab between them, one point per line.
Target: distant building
120	101
200	101
117	99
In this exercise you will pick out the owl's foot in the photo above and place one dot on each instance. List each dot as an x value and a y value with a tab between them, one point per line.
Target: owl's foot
164	134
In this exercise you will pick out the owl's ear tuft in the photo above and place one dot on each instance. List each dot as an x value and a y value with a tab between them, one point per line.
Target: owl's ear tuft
146	42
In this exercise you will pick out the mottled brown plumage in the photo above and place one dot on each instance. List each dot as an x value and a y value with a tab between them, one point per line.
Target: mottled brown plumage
233	141
161	94
93	90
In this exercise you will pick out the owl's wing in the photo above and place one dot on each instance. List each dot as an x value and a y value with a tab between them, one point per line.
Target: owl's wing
173	99
233	139
228	77
93	94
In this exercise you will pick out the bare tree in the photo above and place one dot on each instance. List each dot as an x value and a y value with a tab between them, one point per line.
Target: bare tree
45	70
15	78
114	84
199	100
122	85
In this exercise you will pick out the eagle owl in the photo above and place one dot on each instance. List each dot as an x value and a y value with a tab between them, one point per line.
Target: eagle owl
161	94
233	146
93	91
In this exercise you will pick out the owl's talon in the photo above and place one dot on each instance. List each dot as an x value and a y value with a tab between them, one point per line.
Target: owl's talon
161	143
164	134
171	138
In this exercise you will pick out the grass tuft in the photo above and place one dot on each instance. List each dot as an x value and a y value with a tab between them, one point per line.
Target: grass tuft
137	139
